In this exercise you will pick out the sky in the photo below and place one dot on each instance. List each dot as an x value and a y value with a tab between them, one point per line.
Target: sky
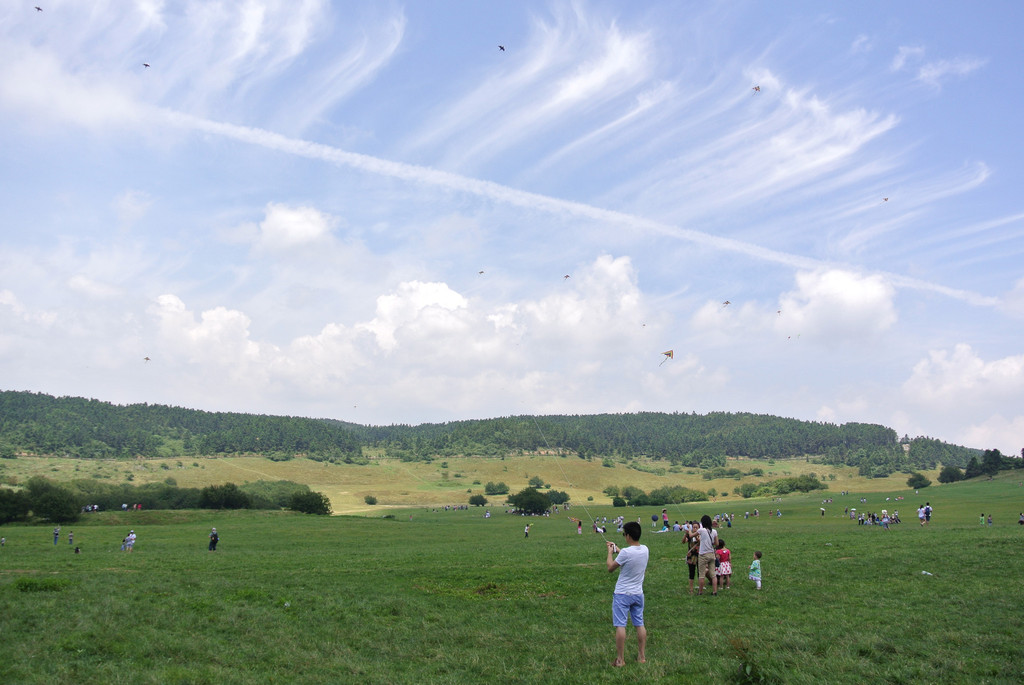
371	212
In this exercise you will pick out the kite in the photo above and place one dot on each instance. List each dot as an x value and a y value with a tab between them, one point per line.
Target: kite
502	48
669	354
726	303
885	199
145	64
38	8
779	312
145	359
480	273
756	89
565	277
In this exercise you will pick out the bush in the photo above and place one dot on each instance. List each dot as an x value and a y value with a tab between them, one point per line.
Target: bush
495	488
917	481
14	506
618	502
51	502
478	501
950	474
310	503
226	496
370	499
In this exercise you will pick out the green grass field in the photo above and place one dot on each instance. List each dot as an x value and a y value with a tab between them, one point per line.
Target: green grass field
451	597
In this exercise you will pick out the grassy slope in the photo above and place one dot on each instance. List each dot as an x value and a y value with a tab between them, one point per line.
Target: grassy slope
396	483
450	597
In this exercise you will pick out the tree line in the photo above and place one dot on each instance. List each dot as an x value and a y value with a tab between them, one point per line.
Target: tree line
46	500
35	423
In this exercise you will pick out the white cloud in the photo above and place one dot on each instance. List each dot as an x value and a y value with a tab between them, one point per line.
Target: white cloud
92	288
219	341
838	306
963	379
861	43
997	432
286	227
422	311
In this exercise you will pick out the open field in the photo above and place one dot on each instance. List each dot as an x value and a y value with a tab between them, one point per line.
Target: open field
451	597
442	481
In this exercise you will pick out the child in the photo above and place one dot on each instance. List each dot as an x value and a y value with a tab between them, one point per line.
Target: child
755	569
628	600
724	570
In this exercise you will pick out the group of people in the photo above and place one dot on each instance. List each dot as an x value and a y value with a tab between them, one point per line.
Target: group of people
706	554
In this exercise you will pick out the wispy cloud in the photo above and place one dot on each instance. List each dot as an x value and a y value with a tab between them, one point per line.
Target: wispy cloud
933	73
520	198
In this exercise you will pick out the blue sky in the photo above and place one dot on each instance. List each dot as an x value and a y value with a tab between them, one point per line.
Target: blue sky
367	211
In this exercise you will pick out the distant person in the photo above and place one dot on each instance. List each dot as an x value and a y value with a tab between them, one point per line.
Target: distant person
527	530
981	519
927	512
56	535
990	520
628	599
129	542
214	539
78	550
1021	519
755	570
920	515
724	569
71	537
3	541
706	555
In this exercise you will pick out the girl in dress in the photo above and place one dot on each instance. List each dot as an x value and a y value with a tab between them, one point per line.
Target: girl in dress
724	570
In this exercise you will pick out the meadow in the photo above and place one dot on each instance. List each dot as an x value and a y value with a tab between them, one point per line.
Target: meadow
414	595
442	481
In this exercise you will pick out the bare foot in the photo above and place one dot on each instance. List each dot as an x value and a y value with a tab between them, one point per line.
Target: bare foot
618	663
642	660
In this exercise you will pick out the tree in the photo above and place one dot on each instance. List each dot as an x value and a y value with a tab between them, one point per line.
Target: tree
226	496
950	474
618	501
973	468
51	502
536	482
14	505
611	491
495	488
530	501
558	497
478	500
310	503
917	481
991	462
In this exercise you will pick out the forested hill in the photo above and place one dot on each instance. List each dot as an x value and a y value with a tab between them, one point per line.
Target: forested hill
41	424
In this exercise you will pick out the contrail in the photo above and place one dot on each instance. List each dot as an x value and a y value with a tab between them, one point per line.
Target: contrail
534	201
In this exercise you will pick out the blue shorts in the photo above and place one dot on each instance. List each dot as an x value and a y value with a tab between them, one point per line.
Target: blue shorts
631	605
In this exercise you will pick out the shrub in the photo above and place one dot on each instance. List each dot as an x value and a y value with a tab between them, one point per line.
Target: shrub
310	503
917	480
531	501
950	474
370	499
618	502
226	496
495	488
478	501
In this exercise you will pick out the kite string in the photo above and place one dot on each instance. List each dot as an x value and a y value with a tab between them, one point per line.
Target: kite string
565	476
636	445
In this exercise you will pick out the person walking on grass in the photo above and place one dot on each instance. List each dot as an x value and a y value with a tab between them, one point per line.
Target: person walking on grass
755	570
628	598
708	538
527	530
214	539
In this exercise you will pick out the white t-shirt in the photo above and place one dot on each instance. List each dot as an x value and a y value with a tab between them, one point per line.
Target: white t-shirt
707	540
632	561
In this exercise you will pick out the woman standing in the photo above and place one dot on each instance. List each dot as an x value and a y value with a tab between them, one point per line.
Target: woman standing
706	555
